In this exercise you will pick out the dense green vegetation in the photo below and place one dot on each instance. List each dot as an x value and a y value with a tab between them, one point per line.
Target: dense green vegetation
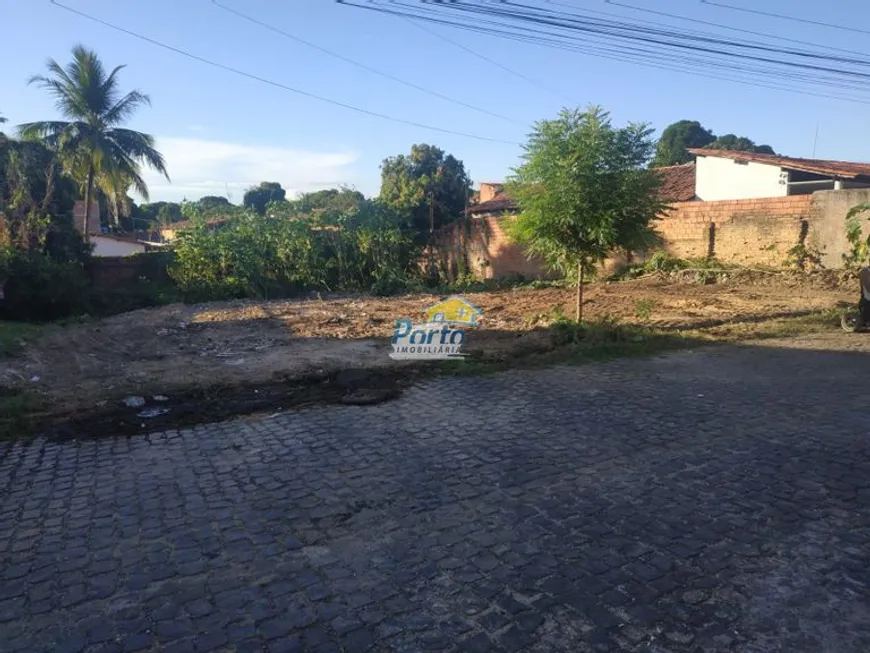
366	246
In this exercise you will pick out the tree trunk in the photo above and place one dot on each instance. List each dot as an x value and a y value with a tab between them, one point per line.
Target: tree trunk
580	291
89	189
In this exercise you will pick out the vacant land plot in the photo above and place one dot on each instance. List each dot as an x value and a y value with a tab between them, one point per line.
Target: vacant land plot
178	348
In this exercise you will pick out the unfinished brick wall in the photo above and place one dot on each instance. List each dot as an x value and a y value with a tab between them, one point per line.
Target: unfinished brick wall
756	231
746	232
484	249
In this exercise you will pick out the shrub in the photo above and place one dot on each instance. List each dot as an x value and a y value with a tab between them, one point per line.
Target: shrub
859	245
38	288
665	263
366	247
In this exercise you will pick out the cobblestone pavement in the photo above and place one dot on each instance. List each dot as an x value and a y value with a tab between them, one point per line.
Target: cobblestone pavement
716	500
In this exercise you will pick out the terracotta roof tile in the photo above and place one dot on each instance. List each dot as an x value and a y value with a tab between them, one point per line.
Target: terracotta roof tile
846	169
678	185
501	202
678	182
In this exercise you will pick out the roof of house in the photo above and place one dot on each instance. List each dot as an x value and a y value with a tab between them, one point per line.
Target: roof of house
678	182
846	169
678	185
122	238
188	224
501	202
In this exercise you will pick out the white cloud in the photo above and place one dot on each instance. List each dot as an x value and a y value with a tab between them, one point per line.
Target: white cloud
200	167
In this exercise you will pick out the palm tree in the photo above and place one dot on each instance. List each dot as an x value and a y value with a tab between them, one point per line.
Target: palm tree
93	145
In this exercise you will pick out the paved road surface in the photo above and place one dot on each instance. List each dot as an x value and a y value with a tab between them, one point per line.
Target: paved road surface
709	501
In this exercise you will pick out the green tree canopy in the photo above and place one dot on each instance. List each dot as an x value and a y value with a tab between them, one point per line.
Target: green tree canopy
210	203
739	144
92	144
408	182
584	191
169	212
671	147
36	202
330	199
258	197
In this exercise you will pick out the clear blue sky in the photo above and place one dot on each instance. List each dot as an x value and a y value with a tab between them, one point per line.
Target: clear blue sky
220	131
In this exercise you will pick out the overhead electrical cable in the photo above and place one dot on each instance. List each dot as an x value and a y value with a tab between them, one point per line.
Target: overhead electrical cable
358	64
785	17
741	60
273	83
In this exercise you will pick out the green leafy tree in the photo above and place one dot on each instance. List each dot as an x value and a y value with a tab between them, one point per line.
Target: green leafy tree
210	203
584	191
409	183
36	201
92	142
671	147
331	199
739	144
169	212
258	197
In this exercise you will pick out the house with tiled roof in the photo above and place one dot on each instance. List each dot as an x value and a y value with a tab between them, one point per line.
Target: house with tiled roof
740	207
678	185
730	175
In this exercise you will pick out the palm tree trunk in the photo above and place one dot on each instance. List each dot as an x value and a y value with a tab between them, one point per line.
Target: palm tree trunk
580	291
89	190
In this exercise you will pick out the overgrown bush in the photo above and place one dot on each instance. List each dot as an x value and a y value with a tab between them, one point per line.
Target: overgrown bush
38	288
364	248
665	263
859	245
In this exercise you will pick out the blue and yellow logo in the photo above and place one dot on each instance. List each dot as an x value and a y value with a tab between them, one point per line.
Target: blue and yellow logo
442	334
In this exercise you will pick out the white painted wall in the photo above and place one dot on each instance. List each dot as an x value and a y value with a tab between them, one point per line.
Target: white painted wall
110	247
723	179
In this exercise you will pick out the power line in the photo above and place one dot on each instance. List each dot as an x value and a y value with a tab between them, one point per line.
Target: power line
728	27
784	17
721	26
358	64
270	82
644	59
480	56
620	39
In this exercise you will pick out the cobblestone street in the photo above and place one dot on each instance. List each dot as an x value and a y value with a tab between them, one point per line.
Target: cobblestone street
716	500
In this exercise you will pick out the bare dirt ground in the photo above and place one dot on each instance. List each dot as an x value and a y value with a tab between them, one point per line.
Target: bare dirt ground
180	348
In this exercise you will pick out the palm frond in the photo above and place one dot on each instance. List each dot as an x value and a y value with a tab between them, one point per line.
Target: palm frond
125	108
51	132
125	171
69	99
110	87
139	147
87	71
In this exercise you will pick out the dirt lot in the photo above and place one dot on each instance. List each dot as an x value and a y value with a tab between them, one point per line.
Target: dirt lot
177	348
